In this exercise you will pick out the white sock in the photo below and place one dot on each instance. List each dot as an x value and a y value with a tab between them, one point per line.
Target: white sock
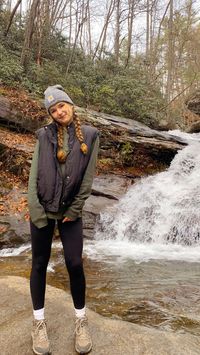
38	314
80	313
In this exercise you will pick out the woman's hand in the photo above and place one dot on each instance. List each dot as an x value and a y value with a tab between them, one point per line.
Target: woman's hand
66	219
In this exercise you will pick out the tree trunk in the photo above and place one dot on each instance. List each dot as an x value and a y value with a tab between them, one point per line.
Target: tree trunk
131	4
25	55
104	30
89	29
117	31
170	54
147	29
11	17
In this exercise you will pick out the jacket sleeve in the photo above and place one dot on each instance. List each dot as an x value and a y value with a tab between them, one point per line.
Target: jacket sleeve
75	209
37	212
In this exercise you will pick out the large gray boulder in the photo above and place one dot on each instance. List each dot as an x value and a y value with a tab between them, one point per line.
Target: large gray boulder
109	336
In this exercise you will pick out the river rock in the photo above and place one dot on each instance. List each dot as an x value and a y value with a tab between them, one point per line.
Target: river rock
110	336
93	207
106	191
110	186
16	231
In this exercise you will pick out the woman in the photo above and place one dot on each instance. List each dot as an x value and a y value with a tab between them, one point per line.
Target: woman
60	181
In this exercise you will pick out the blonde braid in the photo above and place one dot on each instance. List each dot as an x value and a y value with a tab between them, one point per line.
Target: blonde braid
61	154
79	134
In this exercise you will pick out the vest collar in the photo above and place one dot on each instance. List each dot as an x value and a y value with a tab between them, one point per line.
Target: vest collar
52	129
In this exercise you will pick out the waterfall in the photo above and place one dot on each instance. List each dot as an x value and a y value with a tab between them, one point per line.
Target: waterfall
159	211
161	208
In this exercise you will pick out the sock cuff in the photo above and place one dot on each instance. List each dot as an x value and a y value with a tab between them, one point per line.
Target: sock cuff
38	314
80	313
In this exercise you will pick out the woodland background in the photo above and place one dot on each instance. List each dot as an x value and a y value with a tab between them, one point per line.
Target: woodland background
135	58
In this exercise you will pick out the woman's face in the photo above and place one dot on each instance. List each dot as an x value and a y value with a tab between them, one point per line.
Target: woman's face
62	113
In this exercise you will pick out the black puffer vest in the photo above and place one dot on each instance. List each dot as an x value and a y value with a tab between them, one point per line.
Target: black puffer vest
56	193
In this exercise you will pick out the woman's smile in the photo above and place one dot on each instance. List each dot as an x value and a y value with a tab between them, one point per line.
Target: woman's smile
62	113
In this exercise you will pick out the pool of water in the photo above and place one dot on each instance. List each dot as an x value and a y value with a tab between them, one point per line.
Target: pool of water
152	292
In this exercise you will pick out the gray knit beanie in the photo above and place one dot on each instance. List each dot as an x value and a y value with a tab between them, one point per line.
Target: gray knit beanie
54	94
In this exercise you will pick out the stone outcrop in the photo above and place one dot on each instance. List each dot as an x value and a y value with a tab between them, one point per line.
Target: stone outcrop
123	142
110	336
13	118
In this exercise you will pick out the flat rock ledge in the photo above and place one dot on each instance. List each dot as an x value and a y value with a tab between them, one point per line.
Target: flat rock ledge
109	336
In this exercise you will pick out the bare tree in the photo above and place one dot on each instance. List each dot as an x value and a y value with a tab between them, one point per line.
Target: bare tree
147	27
131	13
80	20
102	37
11	17
89	28
30	24
117	30
42	28
170	57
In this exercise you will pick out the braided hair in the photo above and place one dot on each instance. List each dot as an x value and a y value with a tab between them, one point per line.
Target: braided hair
61	153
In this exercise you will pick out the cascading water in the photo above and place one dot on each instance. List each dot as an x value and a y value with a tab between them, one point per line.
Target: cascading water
139	264
159	217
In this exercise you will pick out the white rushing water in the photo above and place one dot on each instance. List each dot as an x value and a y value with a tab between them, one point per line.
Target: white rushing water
158	217
7	252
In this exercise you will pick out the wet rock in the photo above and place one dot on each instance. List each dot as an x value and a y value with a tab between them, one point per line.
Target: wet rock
110	186
106	191
93	207
109	336
14	231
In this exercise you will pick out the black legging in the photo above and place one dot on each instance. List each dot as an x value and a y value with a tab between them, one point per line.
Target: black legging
72	241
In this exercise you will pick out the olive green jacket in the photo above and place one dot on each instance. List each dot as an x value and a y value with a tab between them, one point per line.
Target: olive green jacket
37	212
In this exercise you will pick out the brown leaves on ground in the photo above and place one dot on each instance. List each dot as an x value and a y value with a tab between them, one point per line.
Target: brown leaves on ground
12	201
24	103
17	140
3	229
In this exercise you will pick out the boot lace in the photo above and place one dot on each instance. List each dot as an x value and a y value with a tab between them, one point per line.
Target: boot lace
41	330
81	328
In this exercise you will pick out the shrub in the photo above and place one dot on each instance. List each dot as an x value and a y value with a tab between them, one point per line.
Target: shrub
11	71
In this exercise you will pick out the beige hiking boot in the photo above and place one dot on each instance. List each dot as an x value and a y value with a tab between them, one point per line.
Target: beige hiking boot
40	338
83	341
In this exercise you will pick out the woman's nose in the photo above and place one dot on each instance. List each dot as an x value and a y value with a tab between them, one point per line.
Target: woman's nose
59	111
